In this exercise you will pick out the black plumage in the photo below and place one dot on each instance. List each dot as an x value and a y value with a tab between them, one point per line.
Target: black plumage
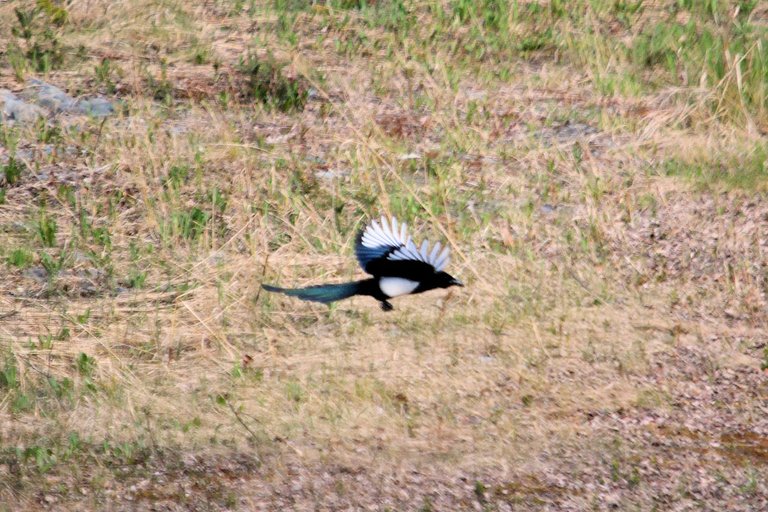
397	265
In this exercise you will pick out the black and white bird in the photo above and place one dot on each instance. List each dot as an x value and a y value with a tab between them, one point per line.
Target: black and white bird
397	265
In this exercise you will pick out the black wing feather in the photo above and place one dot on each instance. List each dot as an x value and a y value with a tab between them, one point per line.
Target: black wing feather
408	269
367	255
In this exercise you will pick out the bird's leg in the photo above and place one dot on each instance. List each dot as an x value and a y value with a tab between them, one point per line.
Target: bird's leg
386	306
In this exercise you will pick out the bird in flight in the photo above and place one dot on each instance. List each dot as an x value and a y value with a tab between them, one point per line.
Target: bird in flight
399	267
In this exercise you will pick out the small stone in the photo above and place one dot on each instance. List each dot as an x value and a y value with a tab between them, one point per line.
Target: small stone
547	208
95	107
38	274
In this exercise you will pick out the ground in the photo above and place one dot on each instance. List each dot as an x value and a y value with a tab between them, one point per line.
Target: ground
597	168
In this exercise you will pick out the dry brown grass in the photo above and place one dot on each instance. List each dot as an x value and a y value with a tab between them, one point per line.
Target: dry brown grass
606	352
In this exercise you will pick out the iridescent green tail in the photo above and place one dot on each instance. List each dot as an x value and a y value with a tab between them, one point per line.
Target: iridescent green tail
325	293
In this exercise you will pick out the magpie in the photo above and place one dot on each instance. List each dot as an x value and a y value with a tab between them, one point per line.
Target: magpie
397	265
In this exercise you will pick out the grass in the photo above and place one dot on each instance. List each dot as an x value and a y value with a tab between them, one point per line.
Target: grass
744	169
598	169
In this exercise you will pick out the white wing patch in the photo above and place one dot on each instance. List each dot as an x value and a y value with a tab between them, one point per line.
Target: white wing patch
395	286
387	234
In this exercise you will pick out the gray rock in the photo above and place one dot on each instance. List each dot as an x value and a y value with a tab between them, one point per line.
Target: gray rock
95	107
49	96
572	131
566	132
56	101
14	109
331	174
47	99
38	274
547	208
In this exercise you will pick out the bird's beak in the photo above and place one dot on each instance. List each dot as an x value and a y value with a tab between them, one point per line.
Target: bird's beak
456	282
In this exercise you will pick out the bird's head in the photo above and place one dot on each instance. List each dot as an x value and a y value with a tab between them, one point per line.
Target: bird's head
446	280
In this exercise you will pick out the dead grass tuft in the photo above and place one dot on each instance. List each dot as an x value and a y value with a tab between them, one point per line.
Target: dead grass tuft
602	200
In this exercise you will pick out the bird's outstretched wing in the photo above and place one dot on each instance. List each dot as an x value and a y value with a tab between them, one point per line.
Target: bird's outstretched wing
386	249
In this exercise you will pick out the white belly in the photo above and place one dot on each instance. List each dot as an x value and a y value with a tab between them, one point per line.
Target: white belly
394	286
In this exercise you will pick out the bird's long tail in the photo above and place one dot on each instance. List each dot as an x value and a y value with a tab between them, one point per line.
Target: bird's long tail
325	293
